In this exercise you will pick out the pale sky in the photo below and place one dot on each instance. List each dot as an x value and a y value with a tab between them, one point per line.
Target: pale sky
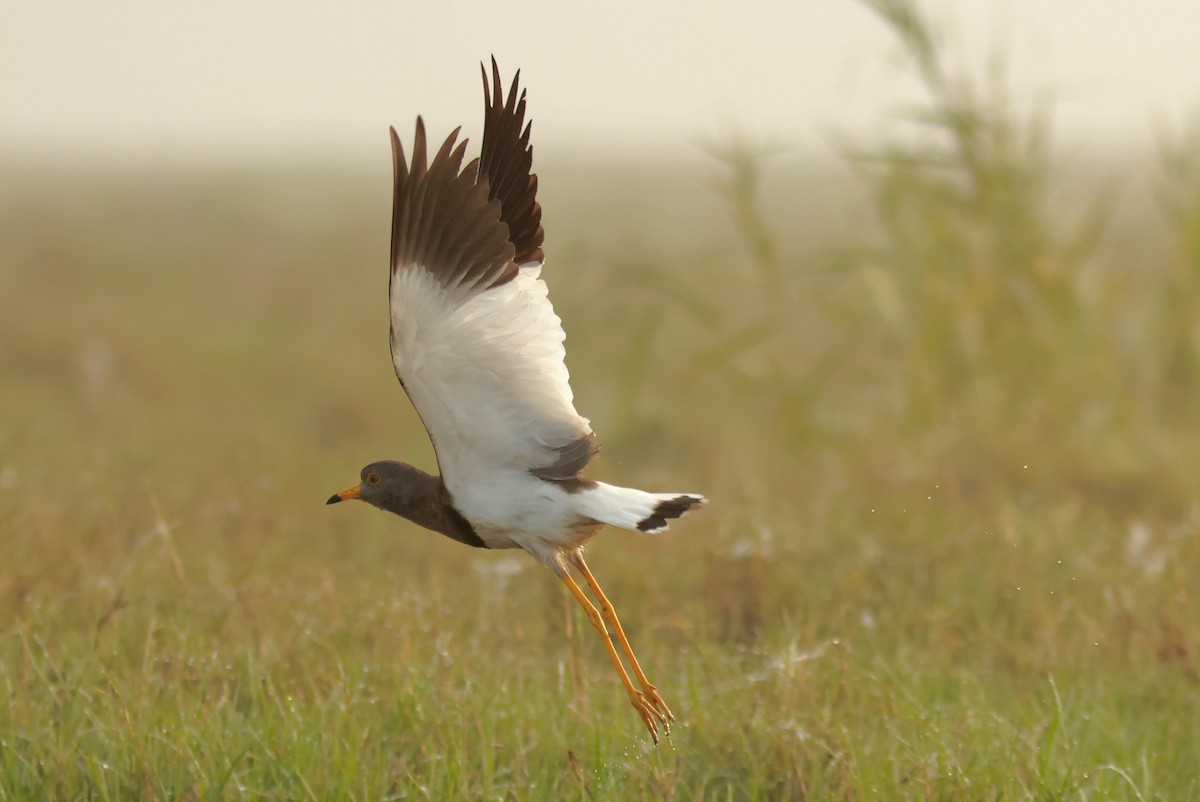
250	79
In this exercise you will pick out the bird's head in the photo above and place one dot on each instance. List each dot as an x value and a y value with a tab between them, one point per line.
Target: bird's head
386	484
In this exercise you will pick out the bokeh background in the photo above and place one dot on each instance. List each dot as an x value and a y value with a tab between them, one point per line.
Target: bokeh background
269	80
910	291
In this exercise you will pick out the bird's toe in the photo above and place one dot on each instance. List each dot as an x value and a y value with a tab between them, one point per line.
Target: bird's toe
650	717
660	707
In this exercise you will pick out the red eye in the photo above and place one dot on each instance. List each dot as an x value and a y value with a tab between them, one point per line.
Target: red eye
372	479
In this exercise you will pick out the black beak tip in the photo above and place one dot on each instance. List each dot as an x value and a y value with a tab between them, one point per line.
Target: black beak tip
334	499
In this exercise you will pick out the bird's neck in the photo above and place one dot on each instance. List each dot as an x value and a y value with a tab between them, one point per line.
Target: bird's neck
432	507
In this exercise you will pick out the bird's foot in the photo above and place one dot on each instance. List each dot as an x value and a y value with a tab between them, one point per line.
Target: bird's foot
650	694
653	710
651	716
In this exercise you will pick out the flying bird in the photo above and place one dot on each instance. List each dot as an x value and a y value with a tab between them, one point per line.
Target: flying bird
479	350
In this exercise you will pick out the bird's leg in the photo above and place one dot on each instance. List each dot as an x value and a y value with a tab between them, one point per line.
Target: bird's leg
610	615
650	715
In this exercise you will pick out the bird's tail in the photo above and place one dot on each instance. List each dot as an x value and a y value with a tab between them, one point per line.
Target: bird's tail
635	509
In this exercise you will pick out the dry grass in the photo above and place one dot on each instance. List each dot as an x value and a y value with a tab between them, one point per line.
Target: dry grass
952	457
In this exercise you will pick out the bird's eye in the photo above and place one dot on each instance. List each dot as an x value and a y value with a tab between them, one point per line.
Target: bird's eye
372	479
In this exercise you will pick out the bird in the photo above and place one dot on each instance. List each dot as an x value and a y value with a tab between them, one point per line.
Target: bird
478	348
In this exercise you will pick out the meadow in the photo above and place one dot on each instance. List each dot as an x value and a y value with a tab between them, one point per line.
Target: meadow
941	392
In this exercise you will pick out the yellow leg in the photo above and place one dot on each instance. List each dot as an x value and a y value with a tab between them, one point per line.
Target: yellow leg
610	615
648	712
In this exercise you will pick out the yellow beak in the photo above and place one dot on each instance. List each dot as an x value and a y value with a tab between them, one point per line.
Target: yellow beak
354	491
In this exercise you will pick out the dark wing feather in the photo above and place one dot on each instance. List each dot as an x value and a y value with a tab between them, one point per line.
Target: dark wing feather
444	220
507	163
483	362
572	459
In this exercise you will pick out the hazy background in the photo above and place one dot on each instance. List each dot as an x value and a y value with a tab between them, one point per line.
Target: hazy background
142	81
937	372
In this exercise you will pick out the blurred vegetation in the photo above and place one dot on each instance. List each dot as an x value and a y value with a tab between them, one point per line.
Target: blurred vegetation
1176	369
946	416
971	271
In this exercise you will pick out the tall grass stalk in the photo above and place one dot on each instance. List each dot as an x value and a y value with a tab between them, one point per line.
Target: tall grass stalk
941	561
969	273
1176	326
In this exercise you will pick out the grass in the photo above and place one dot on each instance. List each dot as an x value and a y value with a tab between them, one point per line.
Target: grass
952	456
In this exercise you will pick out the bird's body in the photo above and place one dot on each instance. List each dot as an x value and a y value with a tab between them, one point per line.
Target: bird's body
478	348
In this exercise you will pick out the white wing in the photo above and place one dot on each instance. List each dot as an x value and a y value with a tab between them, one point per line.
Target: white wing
475	341
485	371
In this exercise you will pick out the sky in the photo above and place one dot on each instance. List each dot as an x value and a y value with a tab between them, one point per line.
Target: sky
260	79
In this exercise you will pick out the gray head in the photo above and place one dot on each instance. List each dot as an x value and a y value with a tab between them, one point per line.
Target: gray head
389	485
413	494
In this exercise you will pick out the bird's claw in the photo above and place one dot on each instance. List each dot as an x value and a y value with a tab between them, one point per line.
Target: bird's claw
653	710
660	707
650	716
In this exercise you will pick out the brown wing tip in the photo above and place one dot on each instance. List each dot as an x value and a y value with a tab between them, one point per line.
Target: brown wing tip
442	217
507	162
399	161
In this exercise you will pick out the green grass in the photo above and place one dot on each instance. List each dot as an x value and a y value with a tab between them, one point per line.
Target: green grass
951	444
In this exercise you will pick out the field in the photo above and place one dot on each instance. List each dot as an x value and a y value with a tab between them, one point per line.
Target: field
942	396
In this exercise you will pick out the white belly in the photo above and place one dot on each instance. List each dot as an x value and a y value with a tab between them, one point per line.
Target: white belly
514	509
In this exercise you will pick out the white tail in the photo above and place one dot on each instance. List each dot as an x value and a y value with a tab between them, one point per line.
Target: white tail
635	509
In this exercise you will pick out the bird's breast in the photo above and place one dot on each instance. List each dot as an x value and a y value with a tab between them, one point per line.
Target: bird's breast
522	511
